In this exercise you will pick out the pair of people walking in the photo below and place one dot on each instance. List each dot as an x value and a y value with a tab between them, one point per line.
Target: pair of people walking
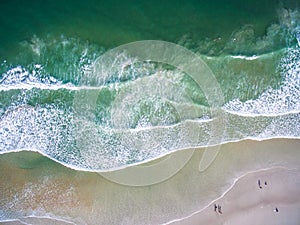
218	208
259	184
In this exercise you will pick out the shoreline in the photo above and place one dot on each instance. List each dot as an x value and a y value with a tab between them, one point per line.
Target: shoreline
82	197
263	200
250	139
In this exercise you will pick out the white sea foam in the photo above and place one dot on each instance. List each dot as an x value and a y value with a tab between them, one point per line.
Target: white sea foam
50	131
245	57
286	99
54	131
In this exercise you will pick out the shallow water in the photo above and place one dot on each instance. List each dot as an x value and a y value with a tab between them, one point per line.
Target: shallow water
52	190
67	94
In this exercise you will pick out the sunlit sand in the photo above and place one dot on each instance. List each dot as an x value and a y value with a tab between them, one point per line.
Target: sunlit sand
51	190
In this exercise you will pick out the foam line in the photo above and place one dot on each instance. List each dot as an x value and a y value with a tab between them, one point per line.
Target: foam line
77	168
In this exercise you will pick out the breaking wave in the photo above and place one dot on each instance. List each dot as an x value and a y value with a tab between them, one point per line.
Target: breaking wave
168	111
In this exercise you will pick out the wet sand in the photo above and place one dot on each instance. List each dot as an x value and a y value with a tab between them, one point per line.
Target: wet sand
48	189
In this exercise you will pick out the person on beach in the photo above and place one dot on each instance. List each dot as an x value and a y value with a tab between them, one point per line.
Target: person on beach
259	184
215	206
219	209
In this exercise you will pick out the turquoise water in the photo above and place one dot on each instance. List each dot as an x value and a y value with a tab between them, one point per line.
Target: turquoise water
57	100
48	49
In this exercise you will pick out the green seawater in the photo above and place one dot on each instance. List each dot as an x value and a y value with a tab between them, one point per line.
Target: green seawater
49	47
111	23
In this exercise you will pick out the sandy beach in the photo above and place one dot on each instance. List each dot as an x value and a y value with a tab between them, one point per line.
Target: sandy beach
50	190
275	202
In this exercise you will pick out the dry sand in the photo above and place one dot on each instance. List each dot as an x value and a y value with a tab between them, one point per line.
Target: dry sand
51	190
247	203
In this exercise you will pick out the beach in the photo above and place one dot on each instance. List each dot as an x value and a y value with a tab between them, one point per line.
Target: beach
277	202
149	112
51	190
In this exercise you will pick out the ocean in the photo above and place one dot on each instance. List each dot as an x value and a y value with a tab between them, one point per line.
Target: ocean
105	86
